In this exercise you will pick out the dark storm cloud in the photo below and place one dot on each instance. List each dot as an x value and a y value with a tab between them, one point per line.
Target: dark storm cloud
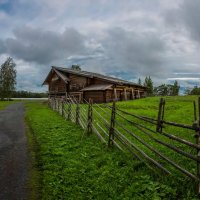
2	46
136	52
187	15
43	47
190	12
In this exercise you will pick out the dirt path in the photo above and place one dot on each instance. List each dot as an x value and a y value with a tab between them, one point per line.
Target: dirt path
13	153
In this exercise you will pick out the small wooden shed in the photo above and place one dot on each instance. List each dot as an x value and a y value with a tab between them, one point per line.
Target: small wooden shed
86	85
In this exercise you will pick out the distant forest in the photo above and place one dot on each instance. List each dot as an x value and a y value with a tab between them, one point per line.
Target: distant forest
194	91
26	94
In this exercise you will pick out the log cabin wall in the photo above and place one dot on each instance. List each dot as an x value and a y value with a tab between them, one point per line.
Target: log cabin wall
62	82
109	96
96	96
57	86
77	82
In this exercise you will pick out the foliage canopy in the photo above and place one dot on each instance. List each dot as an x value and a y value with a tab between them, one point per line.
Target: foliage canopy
7	78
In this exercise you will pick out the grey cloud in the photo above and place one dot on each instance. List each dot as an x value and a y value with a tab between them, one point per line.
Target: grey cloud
190	12
2	47
136	52
44	47
187	15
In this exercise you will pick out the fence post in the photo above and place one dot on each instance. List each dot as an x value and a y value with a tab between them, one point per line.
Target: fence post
53	104
62	108
57	105
112	125
77	113
160	113
195	110
197	135
69	111
90	117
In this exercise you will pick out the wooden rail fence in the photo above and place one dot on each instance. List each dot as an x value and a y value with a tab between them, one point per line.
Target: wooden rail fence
139	135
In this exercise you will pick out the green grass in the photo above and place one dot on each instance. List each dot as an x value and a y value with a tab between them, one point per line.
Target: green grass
4	104
177	109
73	165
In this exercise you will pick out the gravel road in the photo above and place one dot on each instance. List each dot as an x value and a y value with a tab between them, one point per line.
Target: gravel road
13	153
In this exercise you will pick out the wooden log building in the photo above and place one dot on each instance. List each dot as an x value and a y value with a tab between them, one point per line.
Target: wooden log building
85	85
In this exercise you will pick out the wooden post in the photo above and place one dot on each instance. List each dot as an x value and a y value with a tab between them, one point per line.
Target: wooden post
53	103
62	108
132	93
159	126
90	117
69	111
77	113
57	105
112	126
195	111
125	94
138	94
115	94
197	135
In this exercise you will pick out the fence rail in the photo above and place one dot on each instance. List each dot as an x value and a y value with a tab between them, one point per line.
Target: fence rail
142	136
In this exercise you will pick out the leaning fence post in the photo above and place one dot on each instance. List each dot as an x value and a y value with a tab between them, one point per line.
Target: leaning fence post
197	135
195	110
89	125
57	106
112	126
69	111
159	125
77	113
62	107
53	104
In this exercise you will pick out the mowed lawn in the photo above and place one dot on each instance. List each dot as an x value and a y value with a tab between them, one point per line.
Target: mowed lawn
177	109
69	164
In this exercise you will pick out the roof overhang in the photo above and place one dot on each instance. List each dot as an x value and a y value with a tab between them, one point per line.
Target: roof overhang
58	73
98	87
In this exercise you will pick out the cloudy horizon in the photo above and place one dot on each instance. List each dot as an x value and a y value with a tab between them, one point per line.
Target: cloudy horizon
127	39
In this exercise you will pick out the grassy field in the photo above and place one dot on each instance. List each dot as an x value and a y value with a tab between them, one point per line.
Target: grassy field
72	165
177	109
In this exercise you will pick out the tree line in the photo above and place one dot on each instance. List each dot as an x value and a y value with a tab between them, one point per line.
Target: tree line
26	94
161	90
193	91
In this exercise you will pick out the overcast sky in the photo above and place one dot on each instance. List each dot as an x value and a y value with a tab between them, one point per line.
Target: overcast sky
127	39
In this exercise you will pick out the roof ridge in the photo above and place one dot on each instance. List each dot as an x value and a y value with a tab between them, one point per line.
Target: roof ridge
97	75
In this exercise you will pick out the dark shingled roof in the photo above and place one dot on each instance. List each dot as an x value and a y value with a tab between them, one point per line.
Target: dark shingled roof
96	75
98	87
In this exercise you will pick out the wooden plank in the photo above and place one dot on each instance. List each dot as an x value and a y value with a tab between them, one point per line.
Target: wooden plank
125	94
132	93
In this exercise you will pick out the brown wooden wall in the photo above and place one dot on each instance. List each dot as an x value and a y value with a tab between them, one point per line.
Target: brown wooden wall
77	82
57	85
108	95
96	96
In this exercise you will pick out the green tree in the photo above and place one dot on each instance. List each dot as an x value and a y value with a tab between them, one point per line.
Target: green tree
139	82
175	89
194	91
149	84
7	78
76	67
187	91
162	90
